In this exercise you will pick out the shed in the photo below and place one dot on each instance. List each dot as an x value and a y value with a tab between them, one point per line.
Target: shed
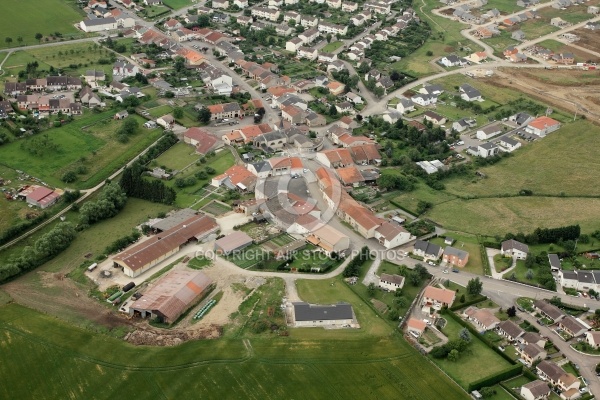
233	242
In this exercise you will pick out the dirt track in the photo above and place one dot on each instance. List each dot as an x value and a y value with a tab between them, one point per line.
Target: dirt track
564	95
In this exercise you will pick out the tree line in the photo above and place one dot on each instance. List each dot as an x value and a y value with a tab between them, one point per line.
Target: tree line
134	185
111	200
548	235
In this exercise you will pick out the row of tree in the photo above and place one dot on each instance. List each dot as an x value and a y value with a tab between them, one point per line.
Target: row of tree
111	200
548	235
46	247
354	266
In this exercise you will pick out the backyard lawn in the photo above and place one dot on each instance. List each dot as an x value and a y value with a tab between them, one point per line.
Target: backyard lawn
177	157
466	243
333	46
177	4
480	363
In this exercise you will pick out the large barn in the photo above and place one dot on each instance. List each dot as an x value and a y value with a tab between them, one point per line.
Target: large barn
335	315
140	257
171	296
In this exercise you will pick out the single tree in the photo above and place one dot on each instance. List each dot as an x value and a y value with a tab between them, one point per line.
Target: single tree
39	36
204	115
8	40
511	311
371	289
453	355
465	335
474	286
178	112
20	39
529	274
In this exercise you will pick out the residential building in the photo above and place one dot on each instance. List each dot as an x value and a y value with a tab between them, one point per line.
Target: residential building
453	60
542	126
436	298
573	326
329	239
391	283
235	178
336	88
335	158
557	376
593	338
427	250
469	93
535	390
99	24
483	319
225	110
508	145
416	327
454	256
510	330
391	235
202	140
489	131
266	13
434	118
531	353
487	150
405	105
334	29
513	248
548	310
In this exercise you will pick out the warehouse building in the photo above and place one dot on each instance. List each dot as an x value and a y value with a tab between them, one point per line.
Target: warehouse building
232	242
171	296
331	316
140	257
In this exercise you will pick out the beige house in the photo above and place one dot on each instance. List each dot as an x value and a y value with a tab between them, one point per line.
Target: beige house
391	283
436	298
536	390
483	319
531	353
593	338
416	327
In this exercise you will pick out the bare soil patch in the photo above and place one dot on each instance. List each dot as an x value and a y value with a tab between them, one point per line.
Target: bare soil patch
588	39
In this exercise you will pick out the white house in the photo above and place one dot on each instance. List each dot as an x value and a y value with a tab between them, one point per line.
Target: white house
513	248
405	105
542	126
509	145
391	282
489	132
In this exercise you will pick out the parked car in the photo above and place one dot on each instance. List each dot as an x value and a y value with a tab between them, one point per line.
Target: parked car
455	270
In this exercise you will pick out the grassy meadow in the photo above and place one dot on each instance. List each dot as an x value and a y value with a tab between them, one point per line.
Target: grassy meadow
25	18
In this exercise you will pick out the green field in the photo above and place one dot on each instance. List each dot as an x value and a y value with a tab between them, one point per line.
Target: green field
92	367
92	137
550	166
84	55
25	18
177	157
177	4
469	244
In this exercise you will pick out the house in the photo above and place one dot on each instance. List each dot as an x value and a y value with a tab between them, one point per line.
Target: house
533	337
172	24
293	114
350	176
489	131
515	249
326	27
284	30
168	298
336	88
391	116
314	119
427	250
509	145
453	60
202	140
266	13
140	257
554	262
520	118
294	44
309	53
557	376
87	96
531	353
535	390
424	99
433	117
347	122
572	326
349	6
455	256
469	93
92	76
405	105
463	124
391	283
344	107
436	298
416	326
483	319
309	21
335	158
235	177
224	110
548	310
487	150
593	10
564	58
166	121
518	35
510	330
354	98
125	69
391	235
593	338
432	89
329	239
313	315
542	126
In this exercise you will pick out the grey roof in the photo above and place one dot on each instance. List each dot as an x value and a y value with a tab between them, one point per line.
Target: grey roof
470	90
488	146
585	277
538	388
513	244
175	219
433	88
100	21
397	279
313	312
509	141
550	310
262	166
452	251
428	248
569	275
531	337
512	329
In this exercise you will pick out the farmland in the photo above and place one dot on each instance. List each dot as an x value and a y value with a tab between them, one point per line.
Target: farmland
88	364
89	141
24	19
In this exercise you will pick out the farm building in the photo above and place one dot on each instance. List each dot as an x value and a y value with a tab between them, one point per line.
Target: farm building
171	296
39	196
173	219
232	242
329	239
142	256
313	315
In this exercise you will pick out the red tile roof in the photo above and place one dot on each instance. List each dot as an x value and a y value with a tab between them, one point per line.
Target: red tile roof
543	123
